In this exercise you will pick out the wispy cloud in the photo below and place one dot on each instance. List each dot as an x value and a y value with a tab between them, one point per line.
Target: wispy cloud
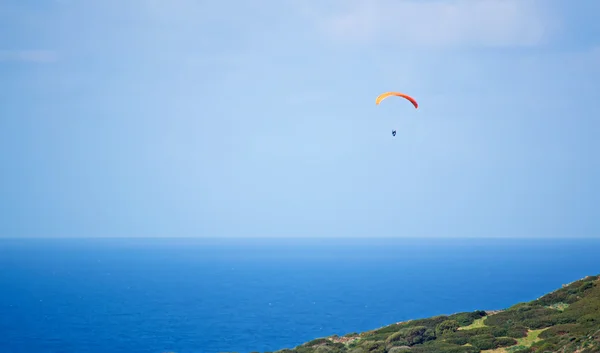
36	56
436	23
306	97
588	59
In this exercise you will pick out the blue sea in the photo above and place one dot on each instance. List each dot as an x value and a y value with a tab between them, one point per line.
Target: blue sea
242	295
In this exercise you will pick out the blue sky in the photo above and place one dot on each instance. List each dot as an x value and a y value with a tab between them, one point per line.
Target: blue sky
257	118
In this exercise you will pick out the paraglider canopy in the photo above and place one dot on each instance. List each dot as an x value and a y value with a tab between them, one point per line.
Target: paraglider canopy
383	96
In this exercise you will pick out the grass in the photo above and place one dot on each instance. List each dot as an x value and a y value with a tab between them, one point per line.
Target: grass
476	324
559	306
497	350
524	342
532	337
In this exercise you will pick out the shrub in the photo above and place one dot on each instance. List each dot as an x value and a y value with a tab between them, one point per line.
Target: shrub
483	342
530	316
567	294
441	347
516	331
397	338
430	323
316	342
357	350
399	350
458	338
446	326
467	318
411	336
505	342
561	330
374	347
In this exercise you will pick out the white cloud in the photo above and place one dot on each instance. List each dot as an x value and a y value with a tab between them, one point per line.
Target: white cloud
41	56
438	23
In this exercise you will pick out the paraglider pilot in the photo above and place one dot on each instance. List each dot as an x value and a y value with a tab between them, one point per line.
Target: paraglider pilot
393	132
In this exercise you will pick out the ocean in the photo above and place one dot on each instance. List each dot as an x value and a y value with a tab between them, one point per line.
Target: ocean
243	295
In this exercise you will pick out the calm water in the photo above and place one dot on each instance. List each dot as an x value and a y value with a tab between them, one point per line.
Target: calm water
210	296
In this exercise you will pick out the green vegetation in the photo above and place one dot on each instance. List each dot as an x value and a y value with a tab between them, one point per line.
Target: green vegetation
566	321
558	306
476	324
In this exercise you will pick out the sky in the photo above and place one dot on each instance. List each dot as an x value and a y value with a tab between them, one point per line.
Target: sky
182	118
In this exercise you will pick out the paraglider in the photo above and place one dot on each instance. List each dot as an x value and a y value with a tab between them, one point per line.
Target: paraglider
385	95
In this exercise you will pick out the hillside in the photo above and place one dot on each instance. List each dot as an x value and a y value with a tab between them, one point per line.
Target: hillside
566	320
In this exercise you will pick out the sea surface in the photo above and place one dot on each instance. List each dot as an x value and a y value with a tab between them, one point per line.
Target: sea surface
243	295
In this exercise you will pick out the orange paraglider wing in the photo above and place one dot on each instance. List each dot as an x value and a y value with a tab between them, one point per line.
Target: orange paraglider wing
398	94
